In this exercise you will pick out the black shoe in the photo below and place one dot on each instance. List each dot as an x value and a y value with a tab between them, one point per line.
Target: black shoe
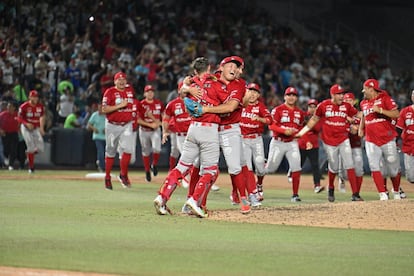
154	170
148	176
108	184
124	181
356	197
331	195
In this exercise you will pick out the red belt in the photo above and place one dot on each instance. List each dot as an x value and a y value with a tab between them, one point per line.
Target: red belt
180	133
251	136
202	124
224	127
118	123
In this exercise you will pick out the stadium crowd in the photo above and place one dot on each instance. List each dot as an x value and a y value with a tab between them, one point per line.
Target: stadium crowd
69	53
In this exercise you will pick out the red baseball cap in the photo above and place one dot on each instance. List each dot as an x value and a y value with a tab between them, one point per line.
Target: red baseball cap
33	93
373	83
312	101
236	59
349	96
336	89
148	87
291	90
120	75
253	86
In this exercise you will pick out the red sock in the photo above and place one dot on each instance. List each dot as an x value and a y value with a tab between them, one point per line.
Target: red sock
155	158
359	183
379	181
331	179
260	179
109	162
147	165
396	180
240	183
30	159
250	180
173	162
295	182
352	180
124	163
195	176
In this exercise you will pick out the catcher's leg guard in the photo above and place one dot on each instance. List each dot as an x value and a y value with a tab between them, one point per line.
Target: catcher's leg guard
170	184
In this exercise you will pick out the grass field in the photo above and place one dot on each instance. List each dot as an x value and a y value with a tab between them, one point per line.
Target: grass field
71	223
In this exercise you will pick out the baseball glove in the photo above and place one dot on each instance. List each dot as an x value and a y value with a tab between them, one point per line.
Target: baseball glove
195	109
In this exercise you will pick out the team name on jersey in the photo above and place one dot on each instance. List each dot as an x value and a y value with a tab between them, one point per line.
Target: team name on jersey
34	113
178	110
250	115
286	118
409	121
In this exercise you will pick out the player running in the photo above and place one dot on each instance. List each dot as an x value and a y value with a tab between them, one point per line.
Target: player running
31	116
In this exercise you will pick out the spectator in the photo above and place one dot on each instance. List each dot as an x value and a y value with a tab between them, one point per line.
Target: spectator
72	120
9	129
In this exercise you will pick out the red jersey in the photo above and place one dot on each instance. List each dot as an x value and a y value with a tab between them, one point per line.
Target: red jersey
236	90
179	118
214	93
29	113
354	139
312	136
113	96
335	126
406	123
156	107
379	129
9	122
247	125
286	117
138	111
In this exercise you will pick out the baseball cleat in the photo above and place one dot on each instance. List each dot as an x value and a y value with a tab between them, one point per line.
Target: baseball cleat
215	188
383	196
108	184
154	170
295	198
318	189
124	181
254	201
356	197
331	195
192	204
160	206
244	206
148	176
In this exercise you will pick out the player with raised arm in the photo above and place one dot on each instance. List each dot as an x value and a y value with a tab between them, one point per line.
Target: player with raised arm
336	115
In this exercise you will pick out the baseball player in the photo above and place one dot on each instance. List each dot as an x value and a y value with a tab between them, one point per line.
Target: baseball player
175	123
287	121
253	119
405	124
379	110
150	138
309	147
230	133
356	145
201	141
336	115
117	104
31	116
